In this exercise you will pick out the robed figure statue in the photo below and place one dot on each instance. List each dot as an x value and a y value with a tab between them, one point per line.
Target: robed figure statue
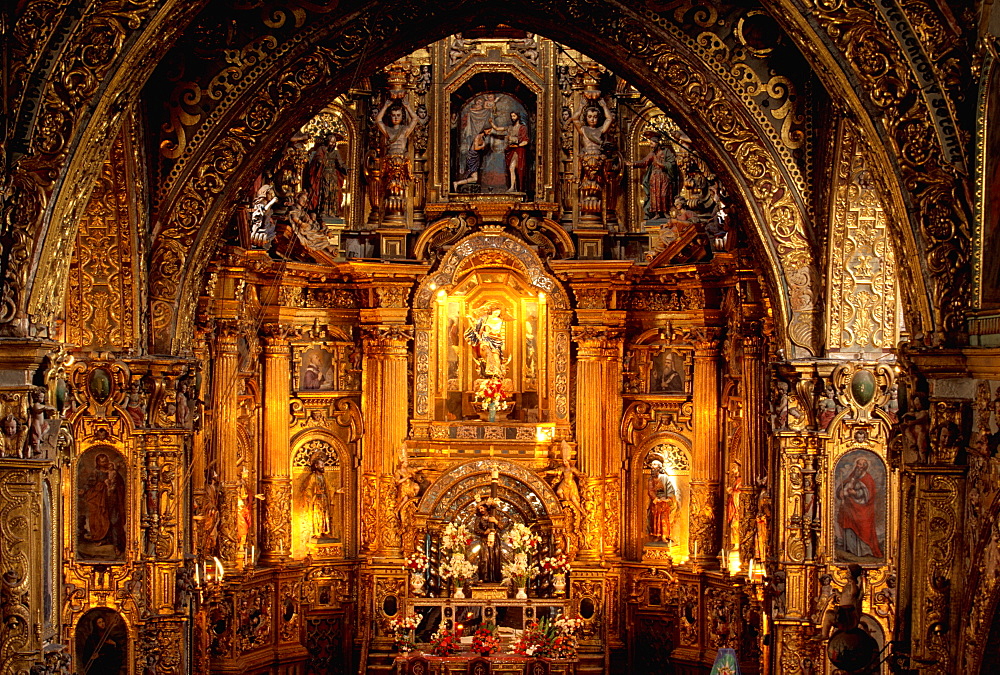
489	525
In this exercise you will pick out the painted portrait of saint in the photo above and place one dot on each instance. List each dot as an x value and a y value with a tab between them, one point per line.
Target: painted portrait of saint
317	370
493	143
860	507
102	643
667	374
101	505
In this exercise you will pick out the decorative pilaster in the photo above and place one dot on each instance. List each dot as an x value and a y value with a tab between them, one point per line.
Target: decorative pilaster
225	411
276	480
591	352
706	475
385	412
753	453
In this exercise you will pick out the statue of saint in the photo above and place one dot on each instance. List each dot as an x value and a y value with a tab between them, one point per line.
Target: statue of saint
487	334
261	221
661	180
489	525
311	233
324	177
663	503
318	497
733	508
516	152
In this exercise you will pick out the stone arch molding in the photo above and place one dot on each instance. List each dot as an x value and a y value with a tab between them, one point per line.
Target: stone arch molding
431	501
206	178
43	194
527	263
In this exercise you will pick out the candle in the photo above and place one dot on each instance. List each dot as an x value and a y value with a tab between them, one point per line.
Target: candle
696	549
751	569
495	473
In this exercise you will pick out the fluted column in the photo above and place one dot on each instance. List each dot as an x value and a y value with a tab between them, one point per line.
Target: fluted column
593	398
225	412
384	406
753	454
613	449
706	474
276	481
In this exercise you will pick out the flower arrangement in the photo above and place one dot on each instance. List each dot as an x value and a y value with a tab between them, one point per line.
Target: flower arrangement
558	564
454	538
402	626
563	643
445	642
491	394
416	562
520	538
518	571
533	640
485	640
457	568
555	639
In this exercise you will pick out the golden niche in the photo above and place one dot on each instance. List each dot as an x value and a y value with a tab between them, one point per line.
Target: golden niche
488	328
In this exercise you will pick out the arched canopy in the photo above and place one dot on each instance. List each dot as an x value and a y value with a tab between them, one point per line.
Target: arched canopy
521	488
234	111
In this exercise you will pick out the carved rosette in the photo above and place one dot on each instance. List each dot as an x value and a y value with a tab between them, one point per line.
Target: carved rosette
276	534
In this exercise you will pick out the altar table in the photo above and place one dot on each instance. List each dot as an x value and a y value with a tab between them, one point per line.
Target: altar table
500	664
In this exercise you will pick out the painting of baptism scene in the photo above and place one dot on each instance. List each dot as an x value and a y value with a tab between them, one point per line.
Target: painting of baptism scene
401	339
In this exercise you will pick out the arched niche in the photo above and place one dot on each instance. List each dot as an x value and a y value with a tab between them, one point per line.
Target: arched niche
523	498
659	473
321	475
484	272
453	492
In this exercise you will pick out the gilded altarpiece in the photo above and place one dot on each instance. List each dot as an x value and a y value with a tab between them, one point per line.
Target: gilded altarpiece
490	277
125	513
835	505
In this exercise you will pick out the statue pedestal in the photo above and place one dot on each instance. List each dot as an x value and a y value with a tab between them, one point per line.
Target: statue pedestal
392	241
489	591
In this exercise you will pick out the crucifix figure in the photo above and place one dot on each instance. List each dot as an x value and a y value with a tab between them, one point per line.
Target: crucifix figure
489	526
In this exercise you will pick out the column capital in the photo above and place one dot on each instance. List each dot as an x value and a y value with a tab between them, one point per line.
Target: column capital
707	341
276	334
226	330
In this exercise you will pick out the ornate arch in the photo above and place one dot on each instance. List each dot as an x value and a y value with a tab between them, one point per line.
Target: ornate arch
206	177
64	131
475	475
519	257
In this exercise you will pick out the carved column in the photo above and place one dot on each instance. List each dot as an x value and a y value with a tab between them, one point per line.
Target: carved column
592	414
276	481
225	411
706	474
612	442
384	406
753	454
